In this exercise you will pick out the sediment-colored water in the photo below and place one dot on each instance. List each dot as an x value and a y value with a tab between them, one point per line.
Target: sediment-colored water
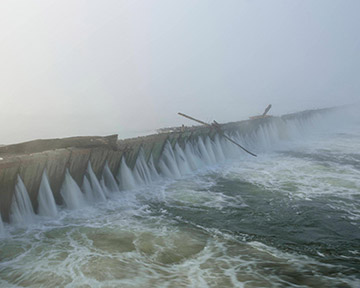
213	217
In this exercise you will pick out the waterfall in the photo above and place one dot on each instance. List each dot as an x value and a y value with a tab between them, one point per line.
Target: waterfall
174	162
91	187
204	152
2	228
195	161
244	141
108	182
126	177
266	137
154	173
21	210
167	163
71	193
88	191
231	150
181	160
218	150
209	149
47	206
141	170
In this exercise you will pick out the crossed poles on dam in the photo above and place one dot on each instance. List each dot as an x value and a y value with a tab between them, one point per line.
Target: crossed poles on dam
216	125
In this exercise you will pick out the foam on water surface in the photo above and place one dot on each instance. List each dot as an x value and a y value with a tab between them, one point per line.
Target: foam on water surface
207	216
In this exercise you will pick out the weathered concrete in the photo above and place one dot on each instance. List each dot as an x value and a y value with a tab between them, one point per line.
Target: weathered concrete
113	160
31	159
41	145
78	162
31	169
57	162
9	169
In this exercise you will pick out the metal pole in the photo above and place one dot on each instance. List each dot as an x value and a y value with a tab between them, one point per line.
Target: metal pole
217	127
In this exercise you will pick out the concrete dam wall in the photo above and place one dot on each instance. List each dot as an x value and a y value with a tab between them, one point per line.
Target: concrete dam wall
66	171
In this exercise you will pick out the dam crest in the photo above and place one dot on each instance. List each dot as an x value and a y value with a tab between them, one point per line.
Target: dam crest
37	177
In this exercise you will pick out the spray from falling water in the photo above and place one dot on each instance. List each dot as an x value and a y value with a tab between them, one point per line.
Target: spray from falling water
194	160
92	188
71	193
88	192
167	163
21	211
218	149
126	177
174	162
108	182
204	152
141	174
47	206
2	228
154	173
209	148
181	160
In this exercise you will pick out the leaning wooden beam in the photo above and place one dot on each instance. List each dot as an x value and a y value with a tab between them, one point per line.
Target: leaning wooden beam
217	127
266	110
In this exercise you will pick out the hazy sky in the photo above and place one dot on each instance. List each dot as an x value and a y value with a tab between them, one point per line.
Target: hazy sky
71	67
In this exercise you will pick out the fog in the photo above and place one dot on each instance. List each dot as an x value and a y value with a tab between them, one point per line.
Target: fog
102	67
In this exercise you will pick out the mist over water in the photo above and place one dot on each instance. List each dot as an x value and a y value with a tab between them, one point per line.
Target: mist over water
212	217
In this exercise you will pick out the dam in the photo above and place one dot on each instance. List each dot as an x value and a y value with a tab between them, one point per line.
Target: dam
186	208
38	175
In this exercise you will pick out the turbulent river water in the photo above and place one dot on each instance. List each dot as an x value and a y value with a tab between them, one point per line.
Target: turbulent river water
290	217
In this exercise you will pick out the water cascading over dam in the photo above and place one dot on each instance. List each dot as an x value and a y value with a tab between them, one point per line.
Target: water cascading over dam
39	176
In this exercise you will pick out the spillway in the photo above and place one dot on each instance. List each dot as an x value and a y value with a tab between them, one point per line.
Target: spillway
47	205
76	172
186	209
21	208
73	198
2	229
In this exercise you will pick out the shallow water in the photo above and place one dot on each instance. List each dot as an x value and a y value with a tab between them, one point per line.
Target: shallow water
290	217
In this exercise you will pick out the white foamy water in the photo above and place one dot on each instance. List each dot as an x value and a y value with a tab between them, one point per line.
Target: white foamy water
126	177
144	173
108	182
21	211
2	228
168	164
210	216
71	193
92	188
327	166
47	206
